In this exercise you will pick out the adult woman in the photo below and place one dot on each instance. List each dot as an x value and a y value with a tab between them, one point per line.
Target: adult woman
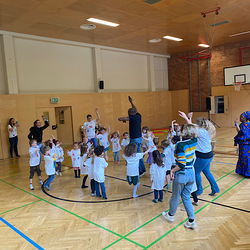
243	139
203	152
12	128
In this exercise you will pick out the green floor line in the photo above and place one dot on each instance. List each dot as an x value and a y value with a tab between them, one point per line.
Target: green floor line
156	217
19	207
171	230
76	215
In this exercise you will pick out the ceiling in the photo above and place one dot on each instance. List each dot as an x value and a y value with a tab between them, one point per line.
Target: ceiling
138	21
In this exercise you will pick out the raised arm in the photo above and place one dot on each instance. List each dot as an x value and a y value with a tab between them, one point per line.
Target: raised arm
184	116
123	119
46	124
98	116
236	123
132	104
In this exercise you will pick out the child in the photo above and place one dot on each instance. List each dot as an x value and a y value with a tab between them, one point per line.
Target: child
86	142
132	158
150	144
75	157
158	176
49	167
59	157
103	139
115	139
84	168
168	159
183	175
145	129
99	165
35	157
126	139
51	143
90	165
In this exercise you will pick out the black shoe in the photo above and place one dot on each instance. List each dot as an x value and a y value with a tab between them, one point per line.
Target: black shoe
18	156
99	195
84	186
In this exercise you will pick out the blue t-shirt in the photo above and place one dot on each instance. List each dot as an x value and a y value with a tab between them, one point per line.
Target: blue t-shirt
135	126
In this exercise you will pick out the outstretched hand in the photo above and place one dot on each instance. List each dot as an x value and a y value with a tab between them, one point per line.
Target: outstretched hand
190	115
130	99
182	115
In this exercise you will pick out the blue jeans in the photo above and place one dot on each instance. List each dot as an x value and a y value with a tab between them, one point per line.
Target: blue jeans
13	145
156	194
116	156
204	166
98	190
92	184
50	179
138	142
182	186
94	140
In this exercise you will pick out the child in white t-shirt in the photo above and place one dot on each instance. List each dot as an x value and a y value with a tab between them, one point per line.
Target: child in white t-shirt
132	158
150	144
49	167
145	129
115	139
90	165
103	139
59	157
99	165
76	160
84	169
35	156
126	139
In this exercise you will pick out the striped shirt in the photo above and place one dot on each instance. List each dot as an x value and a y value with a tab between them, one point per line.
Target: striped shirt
185	152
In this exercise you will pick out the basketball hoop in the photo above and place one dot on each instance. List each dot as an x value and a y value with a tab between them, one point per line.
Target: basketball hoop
237	85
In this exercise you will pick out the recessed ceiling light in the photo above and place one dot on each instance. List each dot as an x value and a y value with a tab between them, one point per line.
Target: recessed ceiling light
173	38
242	33
95	20
155	40
203	45
88	26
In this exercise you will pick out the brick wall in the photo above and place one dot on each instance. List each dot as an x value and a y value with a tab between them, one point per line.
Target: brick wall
222	56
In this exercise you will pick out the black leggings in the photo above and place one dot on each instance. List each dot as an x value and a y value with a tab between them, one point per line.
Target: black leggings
13	144
194	196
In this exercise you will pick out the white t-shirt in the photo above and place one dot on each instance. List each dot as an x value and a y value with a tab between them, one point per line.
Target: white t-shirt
168	159
158	176
90	129
133	164
125	142
150	144
75	157
103	139
90	166
203	141
34	156
84	168
49	165
59	153
99	165
14	133
116	144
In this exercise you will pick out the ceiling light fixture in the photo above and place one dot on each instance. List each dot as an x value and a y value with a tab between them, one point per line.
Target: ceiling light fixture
95	20
238	34
155	40
89	26
203	45
173	38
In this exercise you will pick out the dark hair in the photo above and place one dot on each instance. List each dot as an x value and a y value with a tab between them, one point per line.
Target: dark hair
99	150
176	138
10	122
89	116
75	143
165	143
46	149
48	144
132	111
31	141
102	128
84	149
130	149
157	158
36	122
145	128
125	133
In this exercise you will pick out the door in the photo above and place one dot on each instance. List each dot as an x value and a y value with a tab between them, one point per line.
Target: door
64	125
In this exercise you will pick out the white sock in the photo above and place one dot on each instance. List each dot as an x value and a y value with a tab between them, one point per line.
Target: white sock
135	189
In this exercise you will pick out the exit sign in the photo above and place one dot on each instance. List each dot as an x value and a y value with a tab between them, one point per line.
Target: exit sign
54	100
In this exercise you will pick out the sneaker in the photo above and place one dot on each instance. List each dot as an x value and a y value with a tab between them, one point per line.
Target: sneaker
195	203
31	187
18	156
191	225
92	194
41	182
47	188
60	173
160	200
168	217
56	173
84	186
135	196
155	200
105	198
212	194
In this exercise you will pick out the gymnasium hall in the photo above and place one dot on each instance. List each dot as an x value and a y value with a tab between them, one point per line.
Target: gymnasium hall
62	60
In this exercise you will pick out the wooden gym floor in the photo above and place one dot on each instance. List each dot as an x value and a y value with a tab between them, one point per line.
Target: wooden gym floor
40	220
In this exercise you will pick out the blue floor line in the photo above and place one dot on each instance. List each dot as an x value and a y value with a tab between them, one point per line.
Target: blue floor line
21	234
224	163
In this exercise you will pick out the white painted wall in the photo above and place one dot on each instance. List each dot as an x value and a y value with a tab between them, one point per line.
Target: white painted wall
161	73
45	67
3	86
124	71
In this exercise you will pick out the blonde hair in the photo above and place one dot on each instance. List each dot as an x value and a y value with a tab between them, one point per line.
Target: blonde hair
206	124
189	131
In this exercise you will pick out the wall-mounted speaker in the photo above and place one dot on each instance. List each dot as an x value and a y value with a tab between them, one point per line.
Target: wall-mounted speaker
208	103
101	84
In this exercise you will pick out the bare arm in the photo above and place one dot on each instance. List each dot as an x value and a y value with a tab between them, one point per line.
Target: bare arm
132	104
184	116
236	122
123	119
108	130
98	116
146	152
